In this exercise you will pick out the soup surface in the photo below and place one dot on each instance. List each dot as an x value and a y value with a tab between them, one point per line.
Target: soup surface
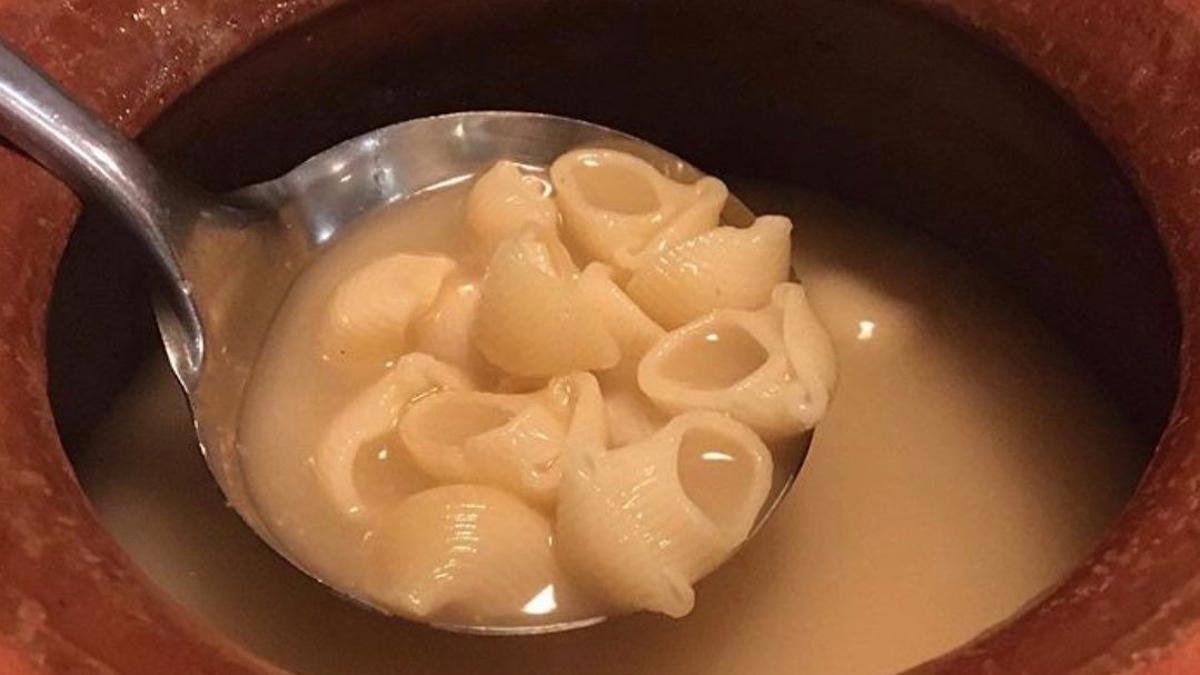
966	462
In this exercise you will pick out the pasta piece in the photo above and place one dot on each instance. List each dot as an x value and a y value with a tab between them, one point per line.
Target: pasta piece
634	332
523	456
809	346
510	441
370	312
629	414
503	202
612	201
445	331
513	441
372	414
640	524
729	267
739	363
625	412
470	554
699	217
578	400
533	319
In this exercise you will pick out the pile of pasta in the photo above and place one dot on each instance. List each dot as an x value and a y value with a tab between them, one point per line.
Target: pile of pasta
594	404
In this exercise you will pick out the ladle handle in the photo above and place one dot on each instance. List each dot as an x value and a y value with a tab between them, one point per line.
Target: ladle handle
94	158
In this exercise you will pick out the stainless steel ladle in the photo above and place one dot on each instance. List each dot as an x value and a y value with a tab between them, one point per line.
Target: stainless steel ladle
227	262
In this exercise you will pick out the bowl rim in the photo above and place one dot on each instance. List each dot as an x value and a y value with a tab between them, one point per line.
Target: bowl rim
1130	68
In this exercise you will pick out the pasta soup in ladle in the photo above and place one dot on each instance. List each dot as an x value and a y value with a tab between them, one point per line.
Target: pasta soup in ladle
532	398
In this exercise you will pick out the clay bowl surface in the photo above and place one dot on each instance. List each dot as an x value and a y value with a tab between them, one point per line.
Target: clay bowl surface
1071	178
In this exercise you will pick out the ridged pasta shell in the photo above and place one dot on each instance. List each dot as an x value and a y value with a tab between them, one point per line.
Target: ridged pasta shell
372	414
533	318
504	202
726	268
702	215
467	554
370	312
626	322
738	362
505	440
611	200
445	331
640	524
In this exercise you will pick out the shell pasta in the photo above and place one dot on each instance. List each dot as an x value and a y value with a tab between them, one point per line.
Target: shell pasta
725	268
641	523
570	410
739	362
534	320
370	313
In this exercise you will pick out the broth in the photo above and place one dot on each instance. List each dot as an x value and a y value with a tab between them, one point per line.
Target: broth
967	461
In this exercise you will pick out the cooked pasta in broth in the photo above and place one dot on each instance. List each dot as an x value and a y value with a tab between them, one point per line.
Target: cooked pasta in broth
571	395
967	461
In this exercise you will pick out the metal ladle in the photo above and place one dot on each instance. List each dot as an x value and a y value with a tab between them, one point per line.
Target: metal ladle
228	261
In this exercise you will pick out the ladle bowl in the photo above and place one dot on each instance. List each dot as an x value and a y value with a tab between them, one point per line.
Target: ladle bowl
228	261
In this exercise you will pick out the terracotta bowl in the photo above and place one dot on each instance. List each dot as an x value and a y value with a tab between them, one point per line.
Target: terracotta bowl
1057	142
